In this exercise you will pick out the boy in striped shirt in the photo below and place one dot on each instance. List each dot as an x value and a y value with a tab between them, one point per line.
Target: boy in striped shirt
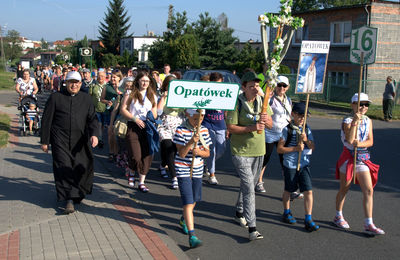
190	145
31	116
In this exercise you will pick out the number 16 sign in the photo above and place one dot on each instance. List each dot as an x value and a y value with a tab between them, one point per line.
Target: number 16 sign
363	40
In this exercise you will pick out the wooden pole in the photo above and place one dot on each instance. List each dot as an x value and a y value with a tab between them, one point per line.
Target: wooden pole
358	109
265	104
197	131
303	130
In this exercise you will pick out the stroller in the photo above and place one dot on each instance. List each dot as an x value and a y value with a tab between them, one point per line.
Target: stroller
27	110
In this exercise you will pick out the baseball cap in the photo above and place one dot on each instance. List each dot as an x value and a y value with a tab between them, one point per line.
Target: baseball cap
363	97
74	75
192	112
85	70
300	108
250	76
283	79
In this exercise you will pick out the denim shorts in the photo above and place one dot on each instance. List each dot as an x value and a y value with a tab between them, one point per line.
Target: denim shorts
297	179
190	189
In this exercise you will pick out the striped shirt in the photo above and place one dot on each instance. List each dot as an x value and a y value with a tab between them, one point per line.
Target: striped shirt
182	165
31	113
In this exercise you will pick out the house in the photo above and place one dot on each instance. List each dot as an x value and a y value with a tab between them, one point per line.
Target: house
335	25
48	57
32	58
138	43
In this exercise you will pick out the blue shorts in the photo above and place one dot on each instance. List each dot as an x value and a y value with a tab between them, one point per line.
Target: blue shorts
297	179
190	190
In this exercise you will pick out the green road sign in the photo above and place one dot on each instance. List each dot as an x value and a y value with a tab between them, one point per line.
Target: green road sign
364	40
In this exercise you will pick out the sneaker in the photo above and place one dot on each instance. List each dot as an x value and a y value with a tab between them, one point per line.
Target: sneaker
194	242
213	180
296	195
255	235
310	226
372	230
260	187
288	218
242	221
183	226
163	172
174	184
340	222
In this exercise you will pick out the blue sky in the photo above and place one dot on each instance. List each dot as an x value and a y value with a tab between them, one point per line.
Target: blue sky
58	19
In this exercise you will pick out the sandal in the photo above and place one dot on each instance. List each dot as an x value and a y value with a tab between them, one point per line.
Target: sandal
340	222
163	172
131	182
372	230
310	226
288	218
143	188
174	184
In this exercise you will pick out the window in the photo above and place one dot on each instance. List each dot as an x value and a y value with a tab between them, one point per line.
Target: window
300	34
341	32
339	78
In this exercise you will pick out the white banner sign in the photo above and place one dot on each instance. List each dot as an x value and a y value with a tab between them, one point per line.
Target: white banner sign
202	95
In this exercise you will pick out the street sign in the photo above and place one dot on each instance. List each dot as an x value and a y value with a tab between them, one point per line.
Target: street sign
66	57
86	51
202	95
364	40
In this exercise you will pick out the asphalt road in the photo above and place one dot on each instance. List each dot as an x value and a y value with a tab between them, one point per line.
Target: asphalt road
224	239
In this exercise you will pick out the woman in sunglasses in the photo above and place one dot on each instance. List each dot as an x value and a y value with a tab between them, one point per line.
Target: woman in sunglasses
281	105
357	132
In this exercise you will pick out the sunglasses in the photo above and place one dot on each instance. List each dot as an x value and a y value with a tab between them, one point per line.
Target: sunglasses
364	104
282	86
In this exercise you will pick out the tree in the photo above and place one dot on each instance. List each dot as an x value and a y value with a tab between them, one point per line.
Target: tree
12	45
310	5
186	53
109	60
160	53
250	58
44	44
115	26
216	46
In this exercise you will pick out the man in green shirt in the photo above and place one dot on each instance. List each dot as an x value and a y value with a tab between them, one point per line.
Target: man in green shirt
248	148
95	90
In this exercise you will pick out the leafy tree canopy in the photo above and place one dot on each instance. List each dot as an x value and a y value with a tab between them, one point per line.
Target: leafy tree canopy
310	5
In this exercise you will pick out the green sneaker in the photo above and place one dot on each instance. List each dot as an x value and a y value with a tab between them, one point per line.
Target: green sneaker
183	226
194	242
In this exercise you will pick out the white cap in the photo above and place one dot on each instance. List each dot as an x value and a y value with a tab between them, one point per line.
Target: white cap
74	75
192	112
283	79
363	97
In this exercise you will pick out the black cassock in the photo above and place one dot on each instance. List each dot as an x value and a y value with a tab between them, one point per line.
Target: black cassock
68	122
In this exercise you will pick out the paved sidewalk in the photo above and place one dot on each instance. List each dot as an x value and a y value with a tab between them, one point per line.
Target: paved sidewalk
109	224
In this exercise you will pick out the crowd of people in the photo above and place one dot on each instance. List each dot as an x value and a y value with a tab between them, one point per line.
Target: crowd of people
85	105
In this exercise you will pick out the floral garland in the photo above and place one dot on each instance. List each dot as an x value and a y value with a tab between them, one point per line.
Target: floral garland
279	21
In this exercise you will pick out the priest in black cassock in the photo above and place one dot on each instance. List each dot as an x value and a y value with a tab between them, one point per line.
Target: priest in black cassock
69	125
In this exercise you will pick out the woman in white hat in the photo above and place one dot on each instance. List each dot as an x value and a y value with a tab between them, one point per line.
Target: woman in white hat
357	132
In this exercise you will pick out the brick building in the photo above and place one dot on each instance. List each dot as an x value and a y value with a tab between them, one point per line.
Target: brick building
335	25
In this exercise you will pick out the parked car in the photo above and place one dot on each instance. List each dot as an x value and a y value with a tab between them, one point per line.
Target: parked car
197	74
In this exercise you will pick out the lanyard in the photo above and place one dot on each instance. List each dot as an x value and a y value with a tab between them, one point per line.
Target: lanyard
362	133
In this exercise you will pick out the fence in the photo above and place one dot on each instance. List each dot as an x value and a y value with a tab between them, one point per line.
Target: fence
333	93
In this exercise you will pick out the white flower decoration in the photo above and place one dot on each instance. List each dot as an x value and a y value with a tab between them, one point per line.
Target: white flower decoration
263	19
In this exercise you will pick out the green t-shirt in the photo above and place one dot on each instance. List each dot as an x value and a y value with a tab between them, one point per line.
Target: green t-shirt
249	144
95	90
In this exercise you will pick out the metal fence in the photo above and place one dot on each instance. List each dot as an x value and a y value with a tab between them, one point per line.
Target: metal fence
332	93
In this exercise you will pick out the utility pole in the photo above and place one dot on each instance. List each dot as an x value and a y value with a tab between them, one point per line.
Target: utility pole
2	50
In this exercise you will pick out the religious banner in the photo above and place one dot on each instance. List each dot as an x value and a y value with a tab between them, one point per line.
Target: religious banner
312	67
202	95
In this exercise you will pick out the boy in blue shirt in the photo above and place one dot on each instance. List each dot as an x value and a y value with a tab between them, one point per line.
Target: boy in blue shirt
290	144
191	145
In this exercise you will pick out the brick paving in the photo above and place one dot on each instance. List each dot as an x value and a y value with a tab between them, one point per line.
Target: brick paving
106	225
